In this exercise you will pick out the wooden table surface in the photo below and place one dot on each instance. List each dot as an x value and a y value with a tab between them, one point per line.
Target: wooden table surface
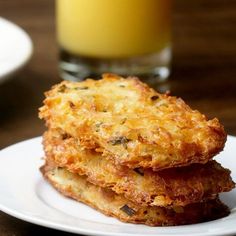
203	73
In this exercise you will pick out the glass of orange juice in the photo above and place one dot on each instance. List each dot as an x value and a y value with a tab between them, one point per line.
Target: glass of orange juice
127	37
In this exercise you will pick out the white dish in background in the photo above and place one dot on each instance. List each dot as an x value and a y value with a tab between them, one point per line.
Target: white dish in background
15	48
27	196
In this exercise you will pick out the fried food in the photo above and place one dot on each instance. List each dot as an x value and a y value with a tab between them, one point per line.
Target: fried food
112	204
132	124
167	188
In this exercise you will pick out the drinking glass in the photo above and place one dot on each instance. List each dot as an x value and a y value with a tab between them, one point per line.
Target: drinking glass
127	37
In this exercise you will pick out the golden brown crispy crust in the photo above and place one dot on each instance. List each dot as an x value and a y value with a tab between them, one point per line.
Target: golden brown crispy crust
170	187
112	204
131	123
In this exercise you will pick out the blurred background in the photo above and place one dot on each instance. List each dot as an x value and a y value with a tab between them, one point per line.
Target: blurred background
203	71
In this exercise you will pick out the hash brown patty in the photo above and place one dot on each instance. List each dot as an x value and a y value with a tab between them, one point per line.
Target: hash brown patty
112	204
131	123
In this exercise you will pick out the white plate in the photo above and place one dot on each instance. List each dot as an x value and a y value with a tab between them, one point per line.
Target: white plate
15	48
25	195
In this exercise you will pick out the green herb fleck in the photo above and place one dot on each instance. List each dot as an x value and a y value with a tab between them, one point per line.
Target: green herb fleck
129	211
62	88
98	126
119	140
123	121
81	88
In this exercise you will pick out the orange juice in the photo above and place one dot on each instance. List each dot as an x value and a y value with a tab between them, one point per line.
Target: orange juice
113	28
